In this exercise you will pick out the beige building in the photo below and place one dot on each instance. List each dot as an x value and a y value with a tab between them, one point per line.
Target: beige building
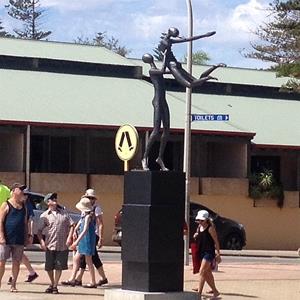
61	105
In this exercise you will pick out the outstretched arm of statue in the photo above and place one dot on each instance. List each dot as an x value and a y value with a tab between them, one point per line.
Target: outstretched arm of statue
193	38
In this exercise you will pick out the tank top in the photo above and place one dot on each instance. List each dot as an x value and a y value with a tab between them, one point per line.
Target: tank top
206	242
14	225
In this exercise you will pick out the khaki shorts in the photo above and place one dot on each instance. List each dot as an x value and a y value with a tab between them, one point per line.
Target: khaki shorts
15	251
56	260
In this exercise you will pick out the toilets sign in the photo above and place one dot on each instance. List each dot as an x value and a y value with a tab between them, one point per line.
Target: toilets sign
209	117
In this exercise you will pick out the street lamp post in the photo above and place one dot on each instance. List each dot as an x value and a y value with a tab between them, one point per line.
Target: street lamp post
187	131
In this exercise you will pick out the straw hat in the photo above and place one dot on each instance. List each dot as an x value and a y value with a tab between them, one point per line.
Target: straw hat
84	204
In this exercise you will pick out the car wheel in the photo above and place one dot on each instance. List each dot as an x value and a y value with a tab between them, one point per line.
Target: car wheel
233	242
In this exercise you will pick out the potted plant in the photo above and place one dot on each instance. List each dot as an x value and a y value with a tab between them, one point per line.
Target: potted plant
264	185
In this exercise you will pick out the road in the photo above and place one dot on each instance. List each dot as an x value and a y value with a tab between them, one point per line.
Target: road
38	257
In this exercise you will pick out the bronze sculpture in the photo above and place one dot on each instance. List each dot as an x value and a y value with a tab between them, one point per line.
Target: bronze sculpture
161	109
161	112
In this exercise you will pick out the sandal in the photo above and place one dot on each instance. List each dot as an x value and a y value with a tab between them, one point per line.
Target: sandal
13	290
78	282
55	290
69	283
90	286
49	290
102	282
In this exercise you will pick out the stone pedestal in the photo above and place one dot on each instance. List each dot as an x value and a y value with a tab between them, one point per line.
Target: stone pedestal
152	232
133	295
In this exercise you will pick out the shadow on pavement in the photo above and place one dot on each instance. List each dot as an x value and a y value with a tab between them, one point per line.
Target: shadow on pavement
238	295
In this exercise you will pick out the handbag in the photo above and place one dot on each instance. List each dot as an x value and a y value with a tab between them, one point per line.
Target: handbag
195	257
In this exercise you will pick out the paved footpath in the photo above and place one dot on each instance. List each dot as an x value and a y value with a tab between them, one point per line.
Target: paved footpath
234	280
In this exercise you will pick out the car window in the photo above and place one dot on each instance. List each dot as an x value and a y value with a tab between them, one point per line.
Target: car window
37	201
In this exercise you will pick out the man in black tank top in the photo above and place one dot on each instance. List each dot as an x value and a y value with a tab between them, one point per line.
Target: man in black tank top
13	231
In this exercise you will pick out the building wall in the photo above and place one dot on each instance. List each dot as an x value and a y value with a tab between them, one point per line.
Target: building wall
222	162
70	187
11	152
8	178
267	226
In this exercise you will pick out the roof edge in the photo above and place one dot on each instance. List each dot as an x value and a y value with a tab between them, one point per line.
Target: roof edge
269	146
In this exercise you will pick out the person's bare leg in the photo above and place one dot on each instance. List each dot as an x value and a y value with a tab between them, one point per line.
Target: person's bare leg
80	274
15	273
76	259
2	270
211	282
57	275
89	262
51	277
27	264
205	265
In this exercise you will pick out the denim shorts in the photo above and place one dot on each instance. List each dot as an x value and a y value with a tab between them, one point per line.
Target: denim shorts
15	251
207	256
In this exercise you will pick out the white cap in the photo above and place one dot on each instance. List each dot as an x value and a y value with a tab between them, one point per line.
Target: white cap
202	215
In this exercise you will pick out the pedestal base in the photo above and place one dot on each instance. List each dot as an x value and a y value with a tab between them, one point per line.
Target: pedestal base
117	294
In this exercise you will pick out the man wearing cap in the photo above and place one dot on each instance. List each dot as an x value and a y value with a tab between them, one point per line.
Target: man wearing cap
13	231
58	237
4	193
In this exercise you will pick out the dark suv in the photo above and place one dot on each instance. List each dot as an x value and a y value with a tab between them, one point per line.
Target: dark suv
231	234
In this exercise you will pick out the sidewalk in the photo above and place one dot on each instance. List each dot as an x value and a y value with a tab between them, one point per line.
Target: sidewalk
235	281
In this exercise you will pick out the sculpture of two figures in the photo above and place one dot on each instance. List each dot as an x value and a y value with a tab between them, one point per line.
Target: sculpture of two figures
170	65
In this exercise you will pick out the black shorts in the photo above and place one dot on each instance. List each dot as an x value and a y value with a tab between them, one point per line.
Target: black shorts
56	260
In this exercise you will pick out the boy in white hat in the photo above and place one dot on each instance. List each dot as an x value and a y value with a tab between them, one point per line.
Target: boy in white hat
86	240
91	195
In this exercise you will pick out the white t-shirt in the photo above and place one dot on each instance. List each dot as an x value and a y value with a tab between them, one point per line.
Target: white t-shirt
98	212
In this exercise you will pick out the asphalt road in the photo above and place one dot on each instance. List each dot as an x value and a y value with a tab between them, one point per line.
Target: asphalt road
38	257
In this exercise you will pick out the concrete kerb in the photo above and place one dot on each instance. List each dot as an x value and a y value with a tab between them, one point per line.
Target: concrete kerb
244	253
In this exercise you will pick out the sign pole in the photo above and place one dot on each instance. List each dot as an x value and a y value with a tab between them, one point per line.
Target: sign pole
126	166
187	133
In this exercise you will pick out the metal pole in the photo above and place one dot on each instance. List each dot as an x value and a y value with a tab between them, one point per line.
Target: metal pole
27	157
187	132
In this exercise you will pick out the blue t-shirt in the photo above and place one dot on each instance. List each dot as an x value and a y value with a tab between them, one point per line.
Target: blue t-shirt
29	207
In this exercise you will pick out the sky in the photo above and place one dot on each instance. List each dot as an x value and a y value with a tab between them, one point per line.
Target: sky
138	24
